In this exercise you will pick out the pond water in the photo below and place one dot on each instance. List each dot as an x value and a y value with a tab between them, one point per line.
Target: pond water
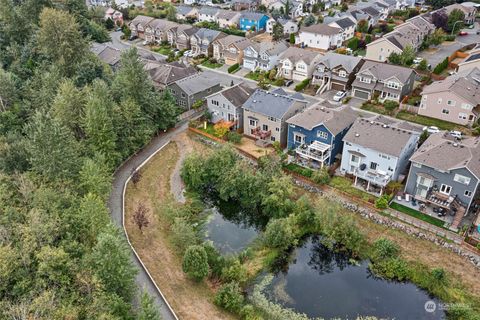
228	236
322	283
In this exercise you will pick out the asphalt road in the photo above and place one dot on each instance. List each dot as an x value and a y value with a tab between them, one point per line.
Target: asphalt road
115	204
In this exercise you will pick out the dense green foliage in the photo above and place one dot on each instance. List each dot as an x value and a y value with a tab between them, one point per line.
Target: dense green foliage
229	297
302	85
439	68
233	68
66	121
195	262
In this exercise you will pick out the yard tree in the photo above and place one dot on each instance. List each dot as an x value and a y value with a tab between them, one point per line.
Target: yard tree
423	65
171	13
109	24
279	234
362	26
309	20
136	176
437	37
148	309
407	55
277	31
195	262
287	7
292	38
277	202
394	58
440	19
141	217
353	43
455	20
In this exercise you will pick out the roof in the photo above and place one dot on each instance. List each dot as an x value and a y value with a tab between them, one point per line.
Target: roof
270	104
210	11
143	20
166	74
441	152
321	29
380	137
240	42
187	28
227	14
237	94
384	71
183	10
295	54
210	35
465	85
332	60
271	48
196	83
109	55
345	23
371	11
334	120
253	15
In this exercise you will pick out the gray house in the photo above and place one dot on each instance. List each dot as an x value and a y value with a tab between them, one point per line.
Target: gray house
336	71
446	173
377	150
226	105
165	74
193	88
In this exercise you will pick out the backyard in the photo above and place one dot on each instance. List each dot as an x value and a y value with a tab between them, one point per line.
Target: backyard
426	121
417	214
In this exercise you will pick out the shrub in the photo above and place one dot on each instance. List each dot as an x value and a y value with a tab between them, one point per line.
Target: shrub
195	262
229	297
234	272
321	176
441	66
382	202
183	234
220	129
292	38
395	268
197	104
234	137
385	249
390	105
215	260
233	68
279	234
302	85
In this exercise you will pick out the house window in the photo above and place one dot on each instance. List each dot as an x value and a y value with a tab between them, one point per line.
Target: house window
416	165
298	138
451	102
277	129
365	80
342	73
253	123
445	111
392	84
265	127
439	100
355	159
272	138
322	135
373	165
468	193
461	179
445	189
462	116
272	119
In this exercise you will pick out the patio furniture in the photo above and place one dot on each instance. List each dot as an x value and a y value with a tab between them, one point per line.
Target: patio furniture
407	197
399	198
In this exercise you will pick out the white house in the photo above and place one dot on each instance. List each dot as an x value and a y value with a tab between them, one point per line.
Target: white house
263	55
298	64
320	36
347	25
208	14
289	26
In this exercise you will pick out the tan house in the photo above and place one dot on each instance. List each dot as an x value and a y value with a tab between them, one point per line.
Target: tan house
298	64
202	41
228	18
229	49
138	25
455	99
265	114
179	36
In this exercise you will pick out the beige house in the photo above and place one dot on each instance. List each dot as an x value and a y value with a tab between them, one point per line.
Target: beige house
265	114
179	36
228	18
138	25
156	30
455	99
229	49
202	41
298	64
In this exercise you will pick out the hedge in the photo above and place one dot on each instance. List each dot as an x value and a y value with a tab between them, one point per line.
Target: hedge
302	85
441	66
233	68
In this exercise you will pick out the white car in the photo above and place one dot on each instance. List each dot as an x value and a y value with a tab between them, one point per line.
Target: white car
144	43
431	129
456	134
417	60
187	53
339	96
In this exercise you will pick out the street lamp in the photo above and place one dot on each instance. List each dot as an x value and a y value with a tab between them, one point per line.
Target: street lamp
453	29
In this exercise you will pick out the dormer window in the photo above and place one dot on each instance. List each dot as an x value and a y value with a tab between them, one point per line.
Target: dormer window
342	73
393	85
365	79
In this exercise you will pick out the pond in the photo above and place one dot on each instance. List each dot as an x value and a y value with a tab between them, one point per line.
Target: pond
322	283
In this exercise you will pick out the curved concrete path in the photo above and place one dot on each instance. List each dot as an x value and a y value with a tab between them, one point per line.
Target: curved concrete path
115	204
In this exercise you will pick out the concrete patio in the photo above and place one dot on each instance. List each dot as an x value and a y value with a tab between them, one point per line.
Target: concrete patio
427	209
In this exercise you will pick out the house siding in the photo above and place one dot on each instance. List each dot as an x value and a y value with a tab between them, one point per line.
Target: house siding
186	101
380	50
431	107
224	108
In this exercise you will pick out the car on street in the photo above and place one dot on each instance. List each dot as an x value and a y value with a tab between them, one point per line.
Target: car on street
456	134
339	96
187	53
431	129
471	26
463	33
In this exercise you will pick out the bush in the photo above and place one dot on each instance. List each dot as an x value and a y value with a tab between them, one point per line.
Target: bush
195	262
292	38
215	260
382	202
395	268
279	234
234	137
233	68
390	105
302	85
385	249
321	176
229	297
234	272
183	234
441	66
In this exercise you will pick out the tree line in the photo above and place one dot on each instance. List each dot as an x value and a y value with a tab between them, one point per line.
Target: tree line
66	122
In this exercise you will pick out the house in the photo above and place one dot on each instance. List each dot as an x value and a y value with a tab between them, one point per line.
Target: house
347	25
263	55
179	36
115	15
317	132
297	64
470	11
411	33
385	80
227	19
470	60
167	73
320	36
193	88
138	24
253	21
156	30
455	99
226	105
250	5
230	49
289	26
207	14
265	114
108	55
336	71
201	41
186	12
445	173
376	152
296	7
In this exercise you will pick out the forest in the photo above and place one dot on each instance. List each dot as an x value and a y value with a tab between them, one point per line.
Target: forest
66	122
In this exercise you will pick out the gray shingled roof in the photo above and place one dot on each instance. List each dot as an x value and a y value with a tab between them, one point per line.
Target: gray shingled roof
210	35
332	60
334	120
270	104
439	151
211	11
142	20
379	137
196	83
237	94
384	71
183	10
295	54
227	14
252	15
109	55
166	74
321	29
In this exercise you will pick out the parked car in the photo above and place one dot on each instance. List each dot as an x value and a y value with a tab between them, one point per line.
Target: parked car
339	96
144	43
288	83
431	129
132	38
417	60
463	33
456	134
187	53
471	26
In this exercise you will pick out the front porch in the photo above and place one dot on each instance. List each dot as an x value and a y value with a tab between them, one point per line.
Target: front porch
314	155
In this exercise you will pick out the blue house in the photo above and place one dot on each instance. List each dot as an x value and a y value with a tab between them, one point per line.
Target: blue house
316	134
253	21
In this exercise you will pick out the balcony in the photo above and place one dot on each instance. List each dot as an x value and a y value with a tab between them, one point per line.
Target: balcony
376	177
261	134
317	151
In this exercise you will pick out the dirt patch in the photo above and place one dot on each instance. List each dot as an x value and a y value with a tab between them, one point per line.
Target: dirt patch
189	299
249	146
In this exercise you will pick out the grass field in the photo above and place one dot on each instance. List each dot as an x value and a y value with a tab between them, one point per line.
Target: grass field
426	121
417	214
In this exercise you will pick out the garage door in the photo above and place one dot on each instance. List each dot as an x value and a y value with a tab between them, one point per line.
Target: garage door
337	86
360	94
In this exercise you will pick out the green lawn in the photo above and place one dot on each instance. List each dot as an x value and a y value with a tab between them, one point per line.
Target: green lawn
345	185
426	121
211	65
306	172
164	49
417	214
375	108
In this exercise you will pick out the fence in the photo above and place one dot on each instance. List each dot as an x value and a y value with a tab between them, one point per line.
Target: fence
408	107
